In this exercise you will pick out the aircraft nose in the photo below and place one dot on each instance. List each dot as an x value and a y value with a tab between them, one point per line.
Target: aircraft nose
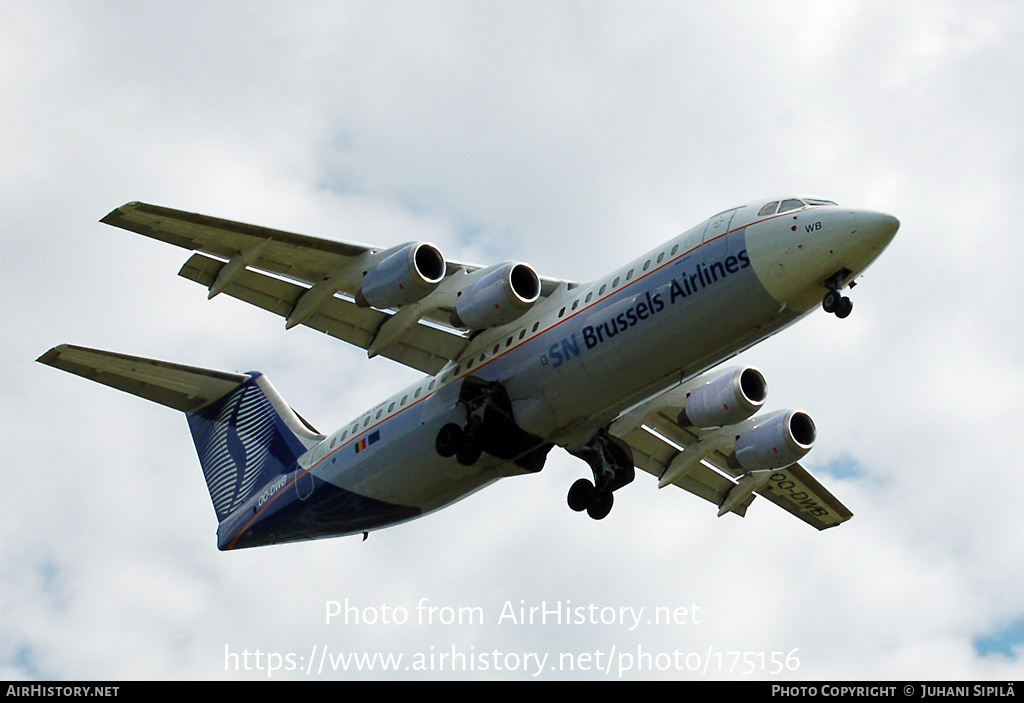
877	228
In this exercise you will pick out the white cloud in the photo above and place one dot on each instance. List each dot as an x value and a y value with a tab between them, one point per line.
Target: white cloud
570	135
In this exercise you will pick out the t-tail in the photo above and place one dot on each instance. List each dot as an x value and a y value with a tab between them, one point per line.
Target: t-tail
248	439
244	442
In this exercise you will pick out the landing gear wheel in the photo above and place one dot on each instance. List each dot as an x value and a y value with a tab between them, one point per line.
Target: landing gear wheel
611	461
845	308
581	495
601	505
469	453
449	440
832	301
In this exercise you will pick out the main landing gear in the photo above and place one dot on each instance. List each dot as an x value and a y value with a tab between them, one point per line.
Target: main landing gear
834	301
584	495
452	440
611	460
490	427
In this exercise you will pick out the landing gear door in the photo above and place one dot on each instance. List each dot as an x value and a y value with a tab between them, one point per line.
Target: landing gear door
716	244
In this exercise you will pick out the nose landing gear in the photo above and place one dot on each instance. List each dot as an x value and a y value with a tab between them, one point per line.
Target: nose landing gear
834	301
837	303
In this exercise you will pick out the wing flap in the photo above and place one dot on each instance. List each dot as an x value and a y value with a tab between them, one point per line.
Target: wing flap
653	454
184	388
421	347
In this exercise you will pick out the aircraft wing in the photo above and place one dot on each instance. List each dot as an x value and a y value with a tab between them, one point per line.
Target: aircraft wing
310	281
185	388
660	444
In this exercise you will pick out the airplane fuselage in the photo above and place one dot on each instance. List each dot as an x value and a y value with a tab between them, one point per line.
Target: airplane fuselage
570	366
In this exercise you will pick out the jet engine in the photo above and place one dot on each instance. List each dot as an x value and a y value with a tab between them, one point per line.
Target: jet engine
725	400
497	297
408	275
776	441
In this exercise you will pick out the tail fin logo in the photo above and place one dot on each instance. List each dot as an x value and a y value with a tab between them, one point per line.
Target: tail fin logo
235	451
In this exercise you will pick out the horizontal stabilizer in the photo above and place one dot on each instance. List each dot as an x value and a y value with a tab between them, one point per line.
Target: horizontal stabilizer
245	434
184	388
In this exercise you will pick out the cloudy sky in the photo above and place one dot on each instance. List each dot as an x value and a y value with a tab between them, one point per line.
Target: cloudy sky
574	136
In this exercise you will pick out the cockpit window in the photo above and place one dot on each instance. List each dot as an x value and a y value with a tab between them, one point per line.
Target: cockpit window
791	204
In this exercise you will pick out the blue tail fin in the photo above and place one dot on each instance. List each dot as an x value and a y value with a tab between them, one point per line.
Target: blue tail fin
244	440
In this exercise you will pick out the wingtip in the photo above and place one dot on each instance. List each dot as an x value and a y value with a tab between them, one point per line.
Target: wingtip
115	214
51	354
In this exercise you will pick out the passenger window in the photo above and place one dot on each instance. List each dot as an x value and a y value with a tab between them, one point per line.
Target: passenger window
647	264
391	407
417	393
615	283
575	304
333	442
522	333
589	296
536	325
675	249
661	257
768	209
603	288
404	399
629	275
561	312
431	386
379	413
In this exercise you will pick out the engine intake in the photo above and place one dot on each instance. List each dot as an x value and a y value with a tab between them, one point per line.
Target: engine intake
780	439
731	397
408	275
497	297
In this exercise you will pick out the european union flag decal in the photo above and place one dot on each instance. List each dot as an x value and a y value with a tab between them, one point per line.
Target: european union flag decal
367	441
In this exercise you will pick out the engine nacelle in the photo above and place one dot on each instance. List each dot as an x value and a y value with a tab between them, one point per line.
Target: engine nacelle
497	297
408	275
729	398
778	440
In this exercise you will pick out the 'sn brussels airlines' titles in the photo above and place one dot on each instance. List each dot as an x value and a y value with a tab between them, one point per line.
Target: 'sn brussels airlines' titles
648	306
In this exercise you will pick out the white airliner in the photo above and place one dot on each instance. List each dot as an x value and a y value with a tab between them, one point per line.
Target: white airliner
620	371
